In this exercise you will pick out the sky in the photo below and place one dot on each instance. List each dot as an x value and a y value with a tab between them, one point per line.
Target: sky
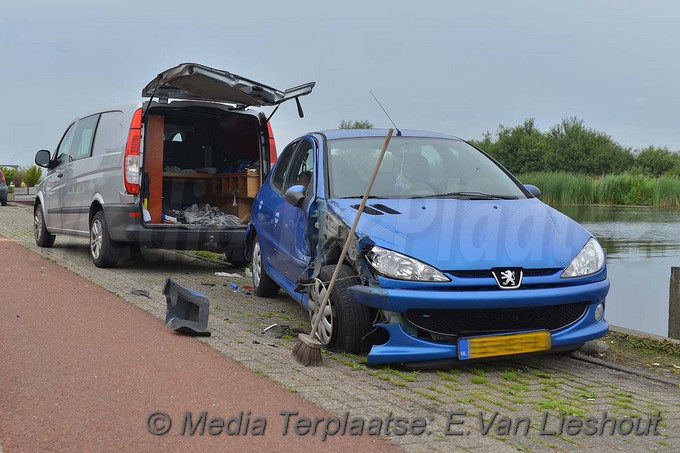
458	67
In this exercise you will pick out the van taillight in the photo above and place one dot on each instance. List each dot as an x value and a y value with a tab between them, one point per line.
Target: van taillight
272	144
131	161
3	176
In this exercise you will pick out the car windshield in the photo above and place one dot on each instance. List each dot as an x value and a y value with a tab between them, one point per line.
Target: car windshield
415	167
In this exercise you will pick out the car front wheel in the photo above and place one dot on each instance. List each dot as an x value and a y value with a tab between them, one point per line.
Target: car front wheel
262	282
103	250
345	323
42	237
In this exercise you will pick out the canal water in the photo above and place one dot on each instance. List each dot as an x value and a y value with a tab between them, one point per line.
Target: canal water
641	245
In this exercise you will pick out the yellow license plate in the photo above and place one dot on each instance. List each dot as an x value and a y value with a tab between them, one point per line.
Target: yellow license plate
499	345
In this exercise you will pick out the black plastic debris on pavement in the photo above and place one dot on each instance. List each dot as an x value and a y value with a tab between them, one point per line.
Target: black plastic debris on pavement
187	310
141	292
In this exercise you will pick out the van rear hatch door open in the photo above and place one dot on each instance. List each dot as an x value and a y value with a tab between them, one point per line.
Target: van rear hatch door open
198	82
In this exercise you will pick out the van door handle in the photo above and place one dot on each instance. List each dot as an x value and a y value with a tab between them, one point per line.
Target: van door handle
60	174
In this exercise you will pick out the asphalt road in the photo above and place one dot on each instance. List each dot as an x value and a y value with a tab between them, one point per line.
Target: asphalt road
550	388
81	369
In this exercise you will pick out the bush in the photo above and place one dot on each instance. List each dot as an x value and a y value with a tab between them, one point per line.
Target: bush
656	161
32	175
9	173
18	177
568	147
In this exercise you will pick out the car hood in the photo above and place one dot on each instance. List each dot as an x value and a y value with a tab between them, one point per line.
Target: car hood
452	234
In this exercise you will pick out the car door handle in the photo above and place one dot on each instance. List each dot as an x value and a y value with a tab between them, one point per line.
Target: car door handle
60	174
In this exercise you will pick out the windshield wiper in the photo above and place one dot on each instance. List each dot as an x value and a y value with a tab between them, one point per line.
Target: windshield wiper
469	196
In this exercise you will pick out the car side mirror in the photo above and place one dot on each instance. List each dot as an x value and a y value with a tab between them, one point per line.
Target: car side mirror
533	190
295	195
42	158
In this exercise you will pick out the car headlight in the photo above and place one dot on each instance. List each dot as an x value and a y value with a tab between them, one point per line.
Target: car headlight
588	261
395	265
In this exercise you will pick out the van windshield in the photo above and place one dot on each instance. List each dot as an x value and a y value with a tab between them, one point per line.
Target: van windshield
415	167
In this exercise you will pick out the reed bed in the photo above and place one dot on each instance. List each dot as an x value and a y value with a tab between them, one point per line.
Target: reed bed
623	189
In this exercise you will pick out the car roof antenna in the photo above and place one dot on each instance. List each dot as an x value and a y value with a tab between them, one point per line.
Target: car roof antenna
388	115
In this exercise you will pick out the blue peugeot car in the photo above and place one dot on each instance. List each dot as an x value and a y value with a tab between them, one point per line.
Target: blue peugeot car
453	259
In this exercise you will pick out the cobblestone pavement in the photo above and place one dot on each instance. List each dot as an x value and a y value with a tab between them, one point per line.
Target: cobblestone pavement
532	398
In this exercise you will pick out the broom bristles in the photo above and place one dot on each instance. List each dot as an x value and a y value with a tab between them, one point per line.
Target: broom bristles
307	351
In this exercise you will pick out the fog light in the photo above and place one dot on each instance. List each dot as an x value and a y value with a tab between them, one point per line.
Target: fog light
599	312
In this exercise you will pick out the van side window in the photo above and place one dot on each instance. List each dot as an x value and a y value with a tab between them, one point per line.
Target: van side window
111	134
282	164
83	137
61	155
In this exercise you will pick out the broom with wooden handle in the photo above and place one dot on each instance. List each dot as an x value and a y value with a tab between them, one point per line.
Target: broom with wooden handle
307	351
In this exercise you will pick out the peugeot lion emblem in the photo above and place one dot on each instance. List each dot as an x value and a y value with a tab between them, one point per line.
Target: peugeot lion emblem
508	278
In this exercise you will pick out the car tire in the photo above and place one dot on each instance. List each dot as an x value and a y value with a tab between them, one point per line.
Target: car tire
4	201
42	237
262	282
347	323
103	251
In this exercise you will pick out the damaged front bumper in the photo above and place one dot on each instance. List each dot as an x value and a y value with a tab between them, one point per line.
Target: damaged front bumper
403	347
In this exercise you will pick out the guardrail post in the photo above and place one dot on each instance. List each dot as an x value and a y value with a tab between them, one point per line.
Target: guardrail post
674	305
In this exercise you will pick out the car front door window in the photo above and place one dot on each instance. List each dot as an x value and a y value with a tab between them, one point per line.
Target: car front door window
61	154
302	169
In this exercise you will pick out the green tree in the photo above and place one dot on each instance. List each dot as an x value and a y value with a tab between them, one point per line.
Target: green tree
567	147
574	148
657	161
349	124
32	175
520	149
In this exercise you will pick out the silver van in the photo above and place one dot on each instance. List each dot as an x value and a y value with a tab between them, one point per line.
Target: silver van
178	170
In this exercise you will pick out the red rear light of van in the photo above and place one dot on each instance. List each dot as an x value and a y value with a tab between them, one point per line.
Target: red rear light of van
272	144
131	161
2	177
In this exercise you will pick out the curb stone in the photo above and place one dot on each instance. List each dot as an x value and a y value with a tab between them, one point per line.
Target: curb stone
632	370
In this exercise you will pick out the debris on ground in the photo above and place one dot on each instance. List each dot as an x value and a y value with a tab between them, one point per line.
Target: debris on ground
248	290
141	292
187	310
268	328
206	215
227	274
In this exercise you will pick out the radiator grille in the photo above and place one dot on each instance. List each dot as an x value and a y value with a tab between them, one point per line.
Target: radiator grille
480	321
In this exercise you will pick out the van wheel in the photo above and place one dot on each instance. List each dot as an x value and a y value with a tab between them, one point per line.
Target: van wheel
236	259
345	323
103	250
262	282
42	237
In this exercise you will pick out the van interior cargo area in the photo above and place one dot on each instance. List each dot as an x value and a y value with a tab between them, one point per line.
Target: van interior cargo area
201	166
